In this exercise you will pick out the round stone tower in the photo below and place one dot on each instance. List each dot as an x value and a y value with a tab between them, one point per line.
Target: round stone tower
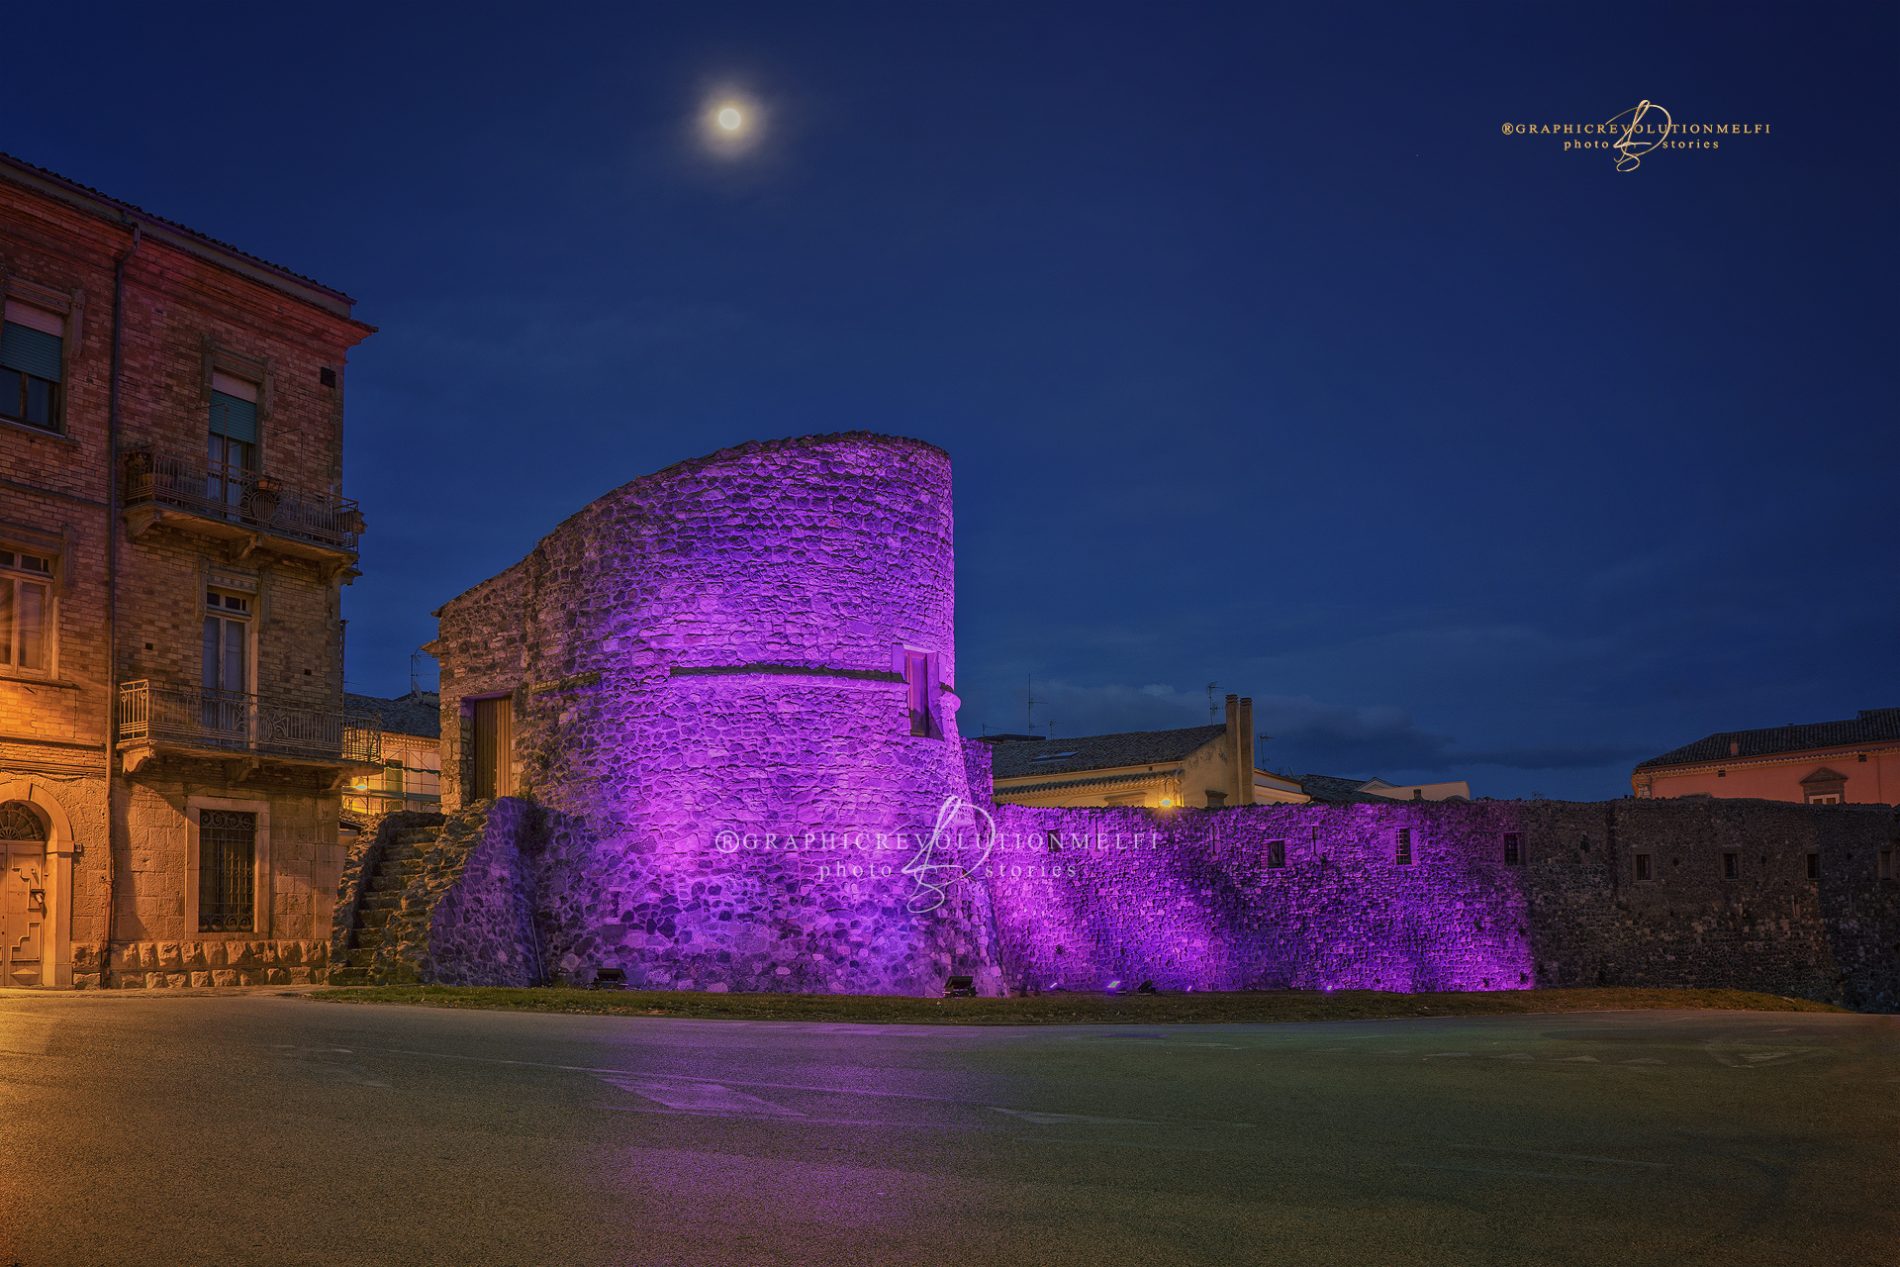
731	686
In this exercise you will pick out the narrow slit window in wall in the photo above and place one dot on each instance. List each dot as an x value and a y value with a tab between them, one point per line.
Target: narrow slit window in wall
917	684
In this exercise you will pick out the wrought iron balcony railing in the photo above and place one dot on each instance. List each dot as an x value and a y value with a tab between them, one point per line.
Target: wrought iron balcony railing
195	717
253	500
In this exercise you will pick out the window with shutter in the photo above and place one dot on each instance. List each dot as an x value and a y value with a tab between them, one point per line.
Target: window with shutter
32	350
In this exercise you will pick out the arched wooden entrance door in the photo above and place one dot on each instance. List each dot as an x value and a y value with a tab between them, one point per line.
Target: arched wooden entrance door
24	886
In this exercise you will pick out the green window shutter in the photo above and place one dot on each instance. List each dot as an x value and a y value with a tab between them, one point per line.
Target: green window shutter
29	351
231	417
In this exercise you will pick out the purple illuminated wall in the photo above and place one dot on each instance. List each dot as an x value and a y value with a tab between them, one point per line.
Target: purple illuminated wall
1189	900
704	668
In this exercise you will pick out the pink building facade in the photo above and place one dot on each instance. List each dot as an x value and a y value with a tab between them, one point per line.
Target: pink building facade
1850	762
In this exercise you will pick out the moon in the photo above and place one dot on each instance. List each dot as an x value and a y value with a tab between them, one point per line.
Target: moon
730	118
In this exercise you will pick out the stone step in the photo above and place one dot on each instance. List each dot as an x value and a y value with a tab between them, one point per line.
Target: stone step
348	976
396	874
367	939
381	900
392	882
418	835
400	853
374	917
361	958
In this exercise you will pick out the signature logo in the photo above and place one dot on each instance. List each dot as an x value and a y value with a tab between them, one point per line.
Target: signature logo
1629	148
933	878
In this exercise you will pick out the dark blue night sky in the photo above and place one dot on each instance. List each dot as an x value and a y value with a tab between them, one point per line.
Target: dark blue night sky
1264	357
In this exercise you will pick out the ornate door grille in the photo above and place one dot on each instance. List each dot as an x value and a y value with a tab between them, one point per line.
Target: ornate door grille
18	822
227	863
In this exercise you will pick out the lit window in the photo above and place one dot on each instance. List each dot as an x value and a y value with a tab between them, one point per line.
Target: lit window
1276	854
1513	849
32	347
1404	855
26	612
1824	798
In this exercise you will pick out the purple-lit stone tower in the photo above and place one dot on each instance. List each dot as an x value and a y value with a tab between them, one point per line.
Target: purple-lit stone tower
730	687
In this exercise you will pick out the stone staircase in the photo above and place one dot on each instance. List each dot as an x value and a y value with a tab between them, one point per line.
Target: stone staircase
400	864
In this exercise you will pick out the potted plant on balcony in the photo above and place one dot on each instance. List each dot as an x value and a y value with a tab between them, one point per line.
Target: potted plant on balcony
138	473
265	496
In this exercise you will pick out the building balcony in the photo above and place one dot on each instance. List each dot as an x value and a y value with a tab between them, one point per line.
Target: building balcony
254	509
173	718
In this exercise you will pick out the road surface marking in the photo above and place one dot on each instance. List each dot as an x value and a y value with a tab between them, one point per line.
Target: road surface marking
1062	1119
1538	1152
658	1079
702	1097
1521	1174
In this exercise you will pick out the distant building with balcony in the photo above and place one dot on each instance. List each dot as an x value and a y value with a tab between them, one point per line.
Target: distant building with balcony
410	727
173	539
1852	761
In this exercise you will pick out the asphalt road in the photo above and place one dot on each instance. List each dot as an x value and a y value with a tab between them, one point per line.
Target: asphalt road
264	1129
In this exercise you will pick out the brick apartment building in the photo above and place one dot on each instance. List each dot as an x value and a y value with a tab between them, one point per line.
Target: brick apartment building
173	541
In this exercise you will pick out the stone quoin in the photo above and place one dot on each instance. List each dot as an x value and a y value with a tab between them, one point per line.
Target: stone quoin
719	704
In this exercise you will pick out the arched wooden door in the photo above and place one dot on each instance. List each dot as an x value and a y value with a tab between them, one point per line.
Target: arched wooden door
23	890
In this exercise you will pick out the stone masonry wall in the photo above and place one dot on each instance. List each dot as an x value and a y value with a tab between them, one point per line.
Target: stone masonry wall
1190	900
482	930
466	919
1079	899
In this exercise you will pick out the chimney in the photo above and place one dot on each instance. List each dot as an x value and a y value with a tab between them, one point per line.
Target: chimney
1245	750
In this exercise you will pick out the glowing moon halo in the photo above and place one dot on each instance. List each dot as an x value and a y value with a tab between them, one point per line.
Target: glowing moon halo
729	118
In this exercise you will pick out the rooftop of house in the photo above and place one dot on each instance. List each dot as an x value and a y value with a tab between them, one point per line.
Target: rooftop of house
417	713
1042	757
1327	789
1873	726
50	183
